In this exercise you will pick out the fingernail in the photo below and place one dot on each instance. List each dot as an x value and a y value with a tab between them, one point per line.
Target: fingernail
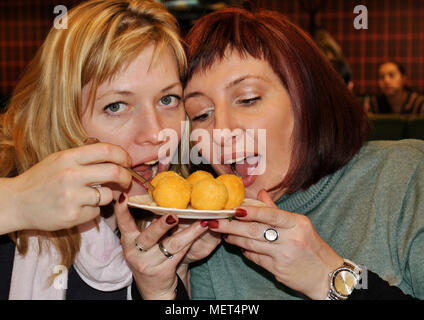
170	220
241	213
204	223
91	140
121	198
213	224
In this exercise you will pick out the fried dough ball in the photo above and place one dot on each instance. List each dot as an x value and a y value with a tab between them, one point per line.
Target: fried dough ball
163	174
172	192
159	176
198	175
235	190
209	194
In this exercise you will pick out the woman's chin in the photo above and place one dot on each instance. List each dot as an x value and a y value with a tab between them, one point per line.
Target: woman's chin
252	191
259	184
249	180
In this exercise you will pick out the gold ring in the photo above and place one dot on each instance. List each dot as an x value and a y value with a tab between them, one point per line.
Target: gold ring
98	196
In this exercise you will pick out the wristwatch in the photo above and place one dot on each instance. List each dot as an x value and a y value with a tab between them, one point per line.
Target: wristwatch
343	280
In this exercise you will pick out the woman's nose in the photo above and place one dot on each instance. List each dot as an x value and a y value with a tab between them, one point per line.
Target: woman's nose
227	132
148	127
387	79
222	124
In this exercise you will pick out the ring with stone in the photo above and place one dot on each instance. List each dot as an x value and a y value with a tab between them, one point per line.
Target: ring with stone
140	247
271	234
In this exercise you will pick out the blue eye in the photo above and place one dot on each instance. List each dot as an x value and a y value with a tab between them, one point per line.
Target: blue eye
170	100
114	108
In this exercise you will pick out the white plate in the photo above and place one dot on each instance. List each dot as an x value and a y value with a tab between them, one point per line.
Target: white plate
146	203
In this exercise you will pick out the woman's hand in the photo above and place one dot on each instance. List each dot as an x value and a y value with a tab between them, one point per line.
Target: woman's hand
155	273
56	193
299	258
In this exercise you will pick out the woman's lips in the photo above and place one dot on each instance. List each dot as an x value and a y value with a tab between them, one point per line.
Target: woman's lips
148	170
246	166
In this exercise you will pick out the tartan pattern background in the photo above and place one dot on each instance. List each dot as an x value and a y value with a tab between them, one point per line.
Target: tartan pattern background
24	24
395	31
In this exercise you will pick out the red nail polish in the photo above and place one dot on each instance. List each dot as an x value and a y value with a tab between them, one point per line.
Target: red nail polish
213	224
170	220
204	223
241	213
121	198
91	140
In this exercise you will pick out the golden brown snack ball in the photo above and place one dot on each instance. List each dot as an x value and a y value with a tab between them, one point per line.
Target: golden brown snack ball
159	176
163	174
172	192
209	194
235	190
198	175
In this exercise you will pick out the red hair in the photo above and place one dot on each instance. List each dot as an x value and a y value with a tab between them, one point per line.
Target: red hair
330	125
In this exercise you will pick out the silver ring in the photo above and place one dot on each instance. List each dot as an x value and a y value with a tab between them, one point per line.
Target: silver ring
271	234
98	195
165	251
140	247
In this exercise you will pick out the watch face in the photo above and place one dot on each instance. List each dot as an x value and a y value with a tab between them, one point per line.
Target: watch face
344	282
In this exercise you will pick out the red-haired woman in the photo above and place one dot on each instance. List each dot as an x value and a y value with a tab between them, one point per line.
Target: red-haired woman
331	196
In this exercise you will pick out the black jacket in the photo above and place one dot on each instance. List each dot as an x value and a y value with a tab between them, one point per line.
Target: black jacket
77	288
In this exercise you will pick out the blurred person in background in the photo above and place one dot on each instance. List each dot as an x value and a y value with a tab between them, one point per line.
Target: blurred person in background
394	96
334	54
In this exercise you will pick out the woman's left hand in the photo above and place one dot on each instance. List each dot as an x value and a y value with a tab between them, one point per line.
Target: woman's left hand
154	267
299	258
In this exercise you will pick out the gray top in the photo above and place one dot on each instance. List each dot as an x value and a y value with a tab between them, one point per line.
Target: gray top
371	212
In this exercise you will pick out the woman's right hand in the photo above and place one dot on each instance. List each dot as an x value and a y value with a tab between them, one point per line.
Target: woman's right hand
57	192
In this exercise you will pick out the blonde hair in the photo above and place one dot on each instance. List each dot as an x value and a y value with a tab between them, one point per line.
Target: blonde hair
44	114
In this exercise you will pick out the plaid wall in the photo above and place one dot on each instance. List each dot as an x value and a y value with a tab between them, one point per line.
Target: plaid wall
23	26
395	31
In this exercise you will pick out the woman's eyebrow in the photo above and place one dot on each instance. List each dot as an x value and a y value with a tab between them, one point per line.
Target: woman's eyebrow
171	86
192	95
228	86
117	92
241	79
129	93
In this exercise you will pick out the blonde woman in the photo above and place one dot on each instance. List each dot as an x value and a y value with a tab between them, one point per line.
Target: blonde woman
113	75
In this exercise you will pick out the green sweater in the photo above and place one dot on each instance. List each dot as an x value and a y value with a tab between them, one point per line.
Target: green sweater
371	212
